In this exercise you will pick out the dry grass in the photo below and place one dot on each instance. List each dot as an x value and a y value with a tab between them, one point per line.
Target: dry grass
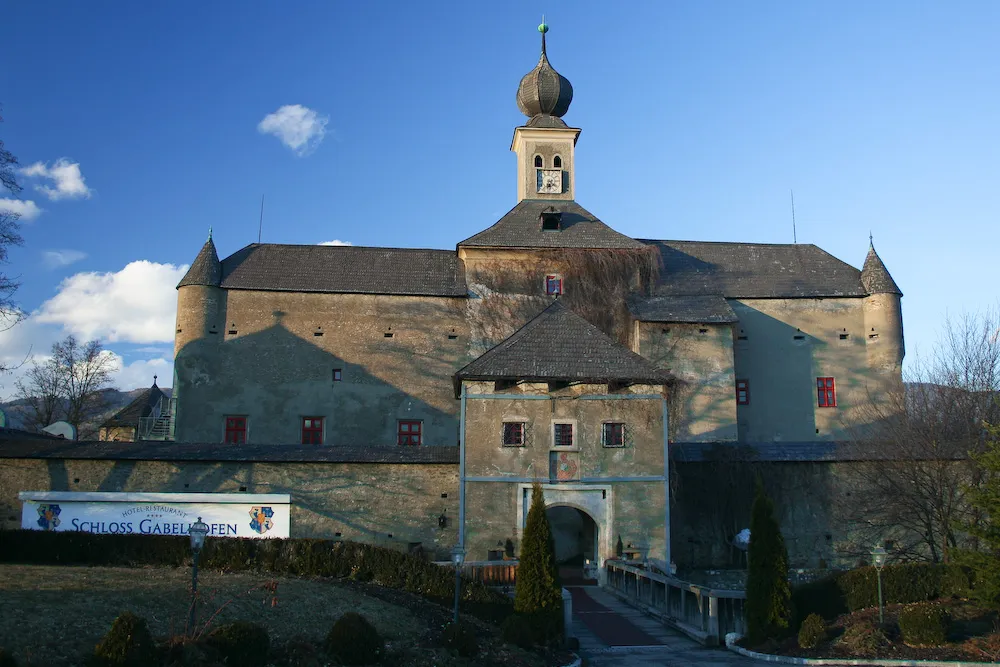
55	615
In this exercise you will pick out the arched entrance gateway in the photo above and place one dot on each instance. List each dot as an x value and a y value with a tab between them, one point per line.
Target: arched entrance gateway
575	540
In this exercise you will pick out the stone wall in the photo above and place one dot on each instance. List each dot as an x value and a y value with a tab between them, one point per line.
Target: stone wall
387	504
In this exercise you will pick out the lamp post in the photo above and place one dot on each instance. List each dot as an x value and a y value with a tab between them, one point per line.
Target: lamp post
878	560
197	531
457	557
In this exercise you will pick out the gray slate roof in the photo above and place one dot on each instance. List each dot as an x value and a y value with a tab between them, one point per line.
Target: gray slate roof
15	447
711	309
559	345
521	227
875	277
141	406
753	270
205	269
344	269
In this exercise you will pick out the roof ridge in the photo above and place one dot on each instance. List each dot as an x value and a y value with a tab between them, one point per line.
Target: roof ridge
777	245
323	245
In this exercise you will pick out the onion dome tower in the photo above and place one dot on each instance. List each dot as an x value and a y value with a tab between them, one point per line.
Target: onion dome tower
545	145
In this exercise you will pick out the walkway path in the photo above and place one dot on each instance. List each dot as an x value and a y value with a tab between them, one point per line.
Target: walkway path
613	634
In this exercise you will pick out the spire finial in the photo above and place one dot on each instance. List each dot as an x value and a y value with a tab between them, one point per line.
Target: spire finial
209	233
871	242
543	28
154	379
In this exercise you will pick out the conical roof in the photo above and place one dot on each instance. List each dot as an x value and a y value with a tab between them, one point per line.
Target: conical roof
875	277
559	345
544	92
206	269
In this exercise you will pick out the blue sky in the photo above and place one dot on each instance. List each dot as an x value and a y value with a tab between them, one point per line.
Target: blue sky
698	119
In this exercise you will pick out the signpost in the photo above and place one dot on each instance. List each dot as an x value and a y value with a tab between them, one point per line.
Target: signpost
225	514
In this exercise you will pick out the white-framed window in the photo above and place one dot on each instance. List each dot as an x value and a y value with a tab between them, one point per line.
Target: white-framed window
614	434
515	434
564	434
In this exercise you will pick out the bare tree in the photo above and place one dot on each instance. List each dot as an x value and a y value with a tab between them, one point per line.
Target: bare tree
910	483
42	390
10	235
70	384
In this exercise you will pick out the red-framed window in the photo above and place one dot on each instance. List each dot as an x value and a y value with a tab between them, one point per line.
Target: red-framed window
562	435
613	434
236	430
743	392
826	393
312	430
513	434
553	285
409	432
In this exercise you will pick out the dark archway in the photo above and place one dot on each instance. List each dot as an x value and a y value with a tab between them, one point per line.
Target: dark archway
574	537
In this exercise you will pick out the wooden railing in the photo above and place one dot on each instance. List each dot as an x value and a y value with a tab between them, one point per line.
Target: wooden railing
500	574
702	613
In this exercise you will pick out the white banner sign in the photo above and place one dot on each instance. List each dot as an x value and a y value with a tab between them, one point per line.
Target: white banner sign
227	515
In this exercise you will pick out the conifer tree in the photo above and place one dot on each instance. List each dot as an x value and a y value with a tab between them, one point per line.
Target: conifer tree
537	588
985	499
768	605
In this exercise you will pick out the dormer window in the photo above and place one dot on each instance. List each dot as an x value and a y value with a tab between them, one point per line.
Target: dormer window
551	221
557	162
538	162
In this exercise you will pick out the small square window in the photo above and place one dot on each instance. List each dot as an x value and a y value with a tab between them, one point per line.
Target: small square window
338	374
236	430
826	393
409	432
562	435
513	434
743	392
553	285
312	430
613	434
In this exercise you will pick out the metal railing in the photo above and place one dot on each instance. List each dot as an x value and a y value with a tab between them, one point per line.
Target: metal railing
702	613
159	425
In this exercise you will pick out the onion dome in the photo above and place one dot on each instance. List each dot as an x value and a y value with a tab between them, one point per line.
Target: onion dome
544	94
875	277
206	269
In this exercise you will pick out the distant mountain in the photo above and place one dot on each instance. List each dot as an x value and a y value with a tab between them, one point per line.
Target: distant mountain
116	400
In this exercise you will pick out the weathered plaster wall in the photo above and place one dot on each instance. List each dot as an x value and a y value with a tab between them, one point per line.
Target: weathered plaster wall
118	434
548	143
388	504
276	370
700	356
782	346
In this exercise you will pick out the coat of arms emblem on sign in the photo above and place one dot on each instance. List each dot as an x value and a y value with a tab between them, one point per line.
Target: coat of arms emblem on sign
260	519
48	516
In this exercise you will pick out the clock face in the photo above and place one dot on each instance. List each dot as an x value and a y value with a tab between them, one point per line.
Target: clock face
550	181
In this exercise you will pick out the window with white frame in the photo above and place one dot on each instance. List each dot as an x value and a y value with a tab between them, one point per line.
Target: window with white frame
514	433
614	434
562	434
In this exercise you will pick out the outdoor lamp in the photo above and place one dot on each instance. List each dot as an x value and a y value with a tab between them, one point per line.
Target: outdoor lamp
457	557
878	560
198	531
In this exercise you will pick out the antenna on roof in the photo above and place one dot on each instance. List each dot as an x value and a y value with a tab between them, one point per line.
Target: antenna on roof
795	237
260	225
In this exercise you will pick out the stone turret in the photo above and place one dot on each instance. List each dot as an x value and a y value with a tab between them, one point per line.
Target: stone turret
883	317
200	300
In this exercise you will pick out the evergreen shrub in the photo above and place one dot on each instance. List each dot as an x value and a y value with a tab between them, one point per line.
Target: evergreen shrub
812	632
127	644
354	641
7	659
924	624
537	588
461	637
241	643
863	636
905	583
822	597
768	601
519	631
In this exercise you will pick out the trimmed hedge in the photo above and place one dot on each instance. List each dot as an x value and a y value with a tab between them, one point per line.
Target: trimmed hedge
296	557
924	624
812	632
858	589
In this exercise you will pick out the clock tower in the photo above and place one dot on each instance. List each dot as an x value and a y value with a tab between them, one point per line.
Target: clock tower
545	145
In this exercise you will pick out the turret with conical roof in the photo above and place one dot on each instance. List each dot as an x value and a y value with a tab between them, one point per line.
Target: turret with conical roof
883	317
545	145
200	300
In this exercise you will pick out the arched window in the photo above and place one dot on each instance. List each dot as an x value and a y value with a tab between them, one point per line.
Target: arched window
557	162
538	161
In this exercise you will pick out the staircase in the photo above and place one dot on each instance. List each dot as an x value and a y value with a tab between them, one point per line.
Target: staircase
159	425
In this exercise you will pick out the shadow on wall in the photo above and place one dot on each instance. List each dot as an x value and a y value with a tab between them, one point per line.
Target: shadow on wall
276	378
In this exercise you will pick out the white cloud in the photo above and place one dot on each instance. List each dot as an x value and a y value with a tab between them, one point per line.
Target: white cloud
336	242
65	175
140	373
298	127
28	210
53	259
137	304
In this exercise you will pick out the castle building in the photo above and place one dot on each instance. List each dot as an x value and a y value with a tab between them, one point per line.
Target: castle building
622	373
